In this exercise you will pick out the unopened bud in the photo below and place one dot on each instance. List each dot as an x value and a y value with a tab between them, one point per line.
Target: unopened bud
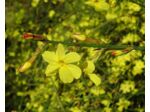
113	53
24	67
33	36
117	53
92	40
27	36
79	37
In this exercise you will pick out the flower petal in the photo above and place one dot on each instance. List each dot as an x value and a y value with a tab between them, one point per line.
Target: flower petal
95	79
60	52
75	71
51	68
65	75
72	57
49	56
90	67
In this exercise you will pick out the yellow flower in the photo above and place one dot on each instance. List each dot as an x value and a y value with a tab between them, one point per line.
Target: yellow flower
105	102
63	62
123	104
138	68
127	86
75	109
107	109
89	71
97	91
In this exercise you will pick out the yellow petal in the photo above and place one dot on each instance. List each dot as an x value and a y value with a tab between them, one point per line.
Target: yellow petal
90	67
49	56
72	57
95	79
65	75
75	71
51	68
60	52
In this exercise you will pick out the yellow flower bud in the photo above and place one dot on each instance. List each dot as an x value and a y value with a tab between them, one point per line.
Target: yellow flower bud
24	67
79	37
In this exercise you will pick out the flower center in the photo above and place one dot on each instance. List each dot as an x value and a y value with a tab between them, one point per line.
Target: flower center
61	62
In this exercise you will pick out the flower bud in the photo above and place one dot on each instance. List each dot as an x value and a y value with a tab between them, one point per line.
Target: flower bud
33	36
24	67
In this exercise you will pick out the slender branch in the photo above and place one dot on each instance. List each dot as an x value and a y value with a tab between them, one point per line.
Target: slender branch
107	46
57	96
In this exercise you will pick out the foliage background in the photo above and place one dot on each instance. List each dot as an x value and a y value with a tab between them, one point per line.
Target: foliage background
110	21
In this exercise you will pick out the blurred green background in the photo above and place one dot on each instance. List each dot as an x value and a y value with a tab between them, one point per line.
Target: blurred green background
110	21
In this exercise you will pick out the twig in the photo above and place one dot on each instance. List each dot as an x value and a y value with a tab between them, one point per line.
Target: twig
107	46
57	96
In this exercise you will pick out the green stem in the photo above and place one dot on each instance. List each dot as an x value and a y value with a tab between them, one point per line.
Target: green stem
57	96
107	46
